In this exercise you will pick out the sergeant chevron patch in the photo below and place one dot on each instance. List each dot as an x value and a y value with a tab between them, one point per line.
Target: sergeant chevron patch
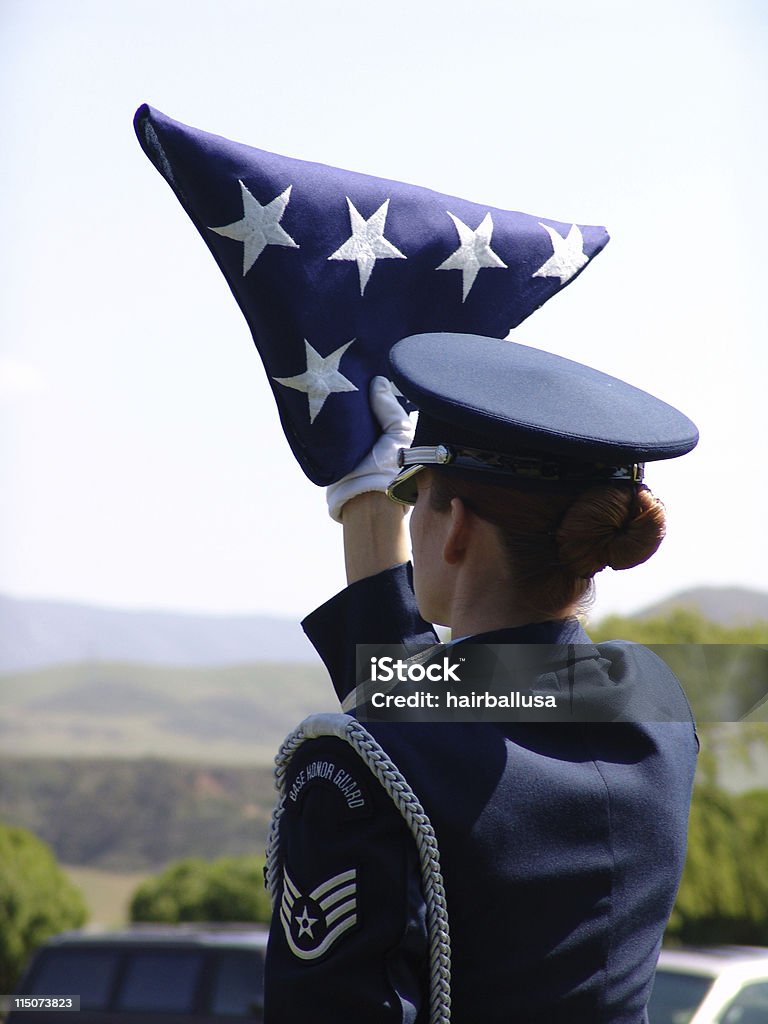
312	923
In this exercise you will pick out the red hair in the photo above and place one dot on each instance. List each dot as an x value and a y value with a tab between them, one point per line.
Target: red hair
557	541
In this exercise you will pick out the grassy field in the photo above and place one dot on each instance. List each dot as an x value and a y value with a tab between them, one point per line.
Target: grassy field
107	893
232	715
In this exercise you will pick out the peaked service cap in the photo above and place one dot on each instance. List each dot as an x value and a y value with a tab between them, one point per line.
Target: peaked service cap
526	416
331	267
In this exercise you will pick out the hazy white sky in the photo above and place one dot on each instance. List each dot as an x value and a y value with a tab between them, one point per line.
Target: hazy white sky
141	458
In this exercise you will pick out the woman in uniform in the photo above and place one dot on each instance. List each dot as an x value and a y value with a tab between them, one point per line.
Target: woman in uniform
482	871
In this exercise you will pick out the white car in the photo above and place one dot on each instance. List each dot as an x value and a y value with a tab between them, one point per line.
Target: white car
719	985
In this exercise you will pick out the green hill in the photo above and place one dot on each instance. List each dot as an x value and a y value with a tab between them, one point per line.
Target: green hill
136	815
233	715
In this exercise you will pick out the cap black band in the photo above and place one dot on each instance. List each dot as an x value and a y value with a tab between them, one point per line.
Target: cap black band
515	467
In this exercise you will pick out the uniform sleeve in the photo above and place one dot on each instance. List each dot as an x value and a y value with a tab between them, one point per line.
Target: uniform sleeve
379	609
348	939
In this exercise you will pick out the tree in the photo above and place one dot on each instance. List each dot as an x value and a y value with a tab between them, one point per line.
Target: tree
723	894
227	889
724	671
678	626
36	900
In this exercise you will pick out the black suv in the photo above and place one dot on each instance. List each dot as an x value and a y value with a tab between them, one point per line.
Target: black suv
178	974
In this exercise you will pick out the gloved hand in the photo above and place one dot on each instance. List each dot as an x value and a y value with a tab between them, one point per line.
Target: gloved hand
379	467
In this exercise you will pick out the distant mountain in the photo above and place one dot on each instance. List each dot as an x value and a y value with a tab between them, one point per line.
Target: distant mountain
728	606
36	633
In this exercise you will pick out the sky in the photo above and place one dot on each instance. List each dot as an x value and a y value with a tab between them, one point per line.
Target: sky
142	463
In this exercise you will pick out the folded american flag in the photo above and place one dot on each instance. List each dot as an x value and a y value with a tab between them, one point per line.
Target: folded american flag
332	267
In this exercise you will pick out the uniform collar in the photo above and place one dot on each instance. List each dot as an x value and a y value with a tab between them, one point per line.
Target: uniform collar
553	631
549	645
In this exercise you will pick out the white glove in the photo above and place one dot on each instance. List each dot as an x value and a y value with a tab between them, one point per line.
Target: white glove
379	467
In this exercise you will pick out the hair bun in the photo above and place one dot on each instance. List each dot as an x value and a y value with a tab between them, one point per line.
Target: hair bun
610	525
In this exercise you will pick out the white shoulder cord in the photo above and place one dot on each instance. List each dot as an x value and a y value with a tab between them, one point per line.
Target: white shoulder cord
405	800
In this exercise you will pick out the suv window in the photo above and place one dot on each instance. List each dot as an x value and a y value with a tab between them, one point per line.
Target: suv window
161	981
88	972
237	987
137	981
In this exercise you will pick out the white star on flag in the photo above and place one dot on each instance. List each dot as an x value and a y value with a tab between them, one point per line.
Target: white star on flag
367	243
567	257
474	252
320	379
259	226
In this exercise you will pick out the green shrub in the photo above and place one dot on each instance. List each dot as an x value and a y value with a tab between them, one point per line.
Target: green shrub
228	889
36	900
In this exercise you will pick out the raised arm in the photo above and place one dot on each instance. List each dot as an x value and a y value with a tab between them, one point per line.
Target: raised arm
378	607
375	536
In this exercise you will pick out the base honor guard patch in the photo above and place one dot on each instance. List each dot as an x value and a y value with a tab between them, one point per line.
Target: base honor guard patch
313	922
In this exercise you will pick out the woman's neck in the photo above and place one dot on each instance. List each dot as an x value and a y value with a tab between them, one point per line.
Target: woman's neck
487	607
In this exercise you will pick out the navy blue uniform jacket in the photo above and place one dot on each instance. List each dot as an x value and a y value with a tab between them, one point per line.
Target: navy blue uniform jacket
561	847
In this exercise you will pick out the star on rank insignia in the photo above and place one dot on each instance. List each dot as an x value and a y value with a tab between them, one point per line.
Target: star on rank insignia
313	922
331	268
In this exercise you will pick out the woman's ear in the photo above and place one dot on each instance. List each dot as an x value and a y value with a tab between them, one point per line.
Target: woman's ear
458	532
